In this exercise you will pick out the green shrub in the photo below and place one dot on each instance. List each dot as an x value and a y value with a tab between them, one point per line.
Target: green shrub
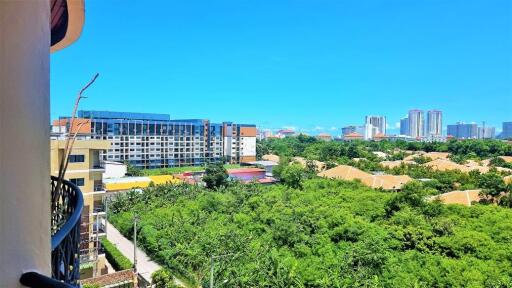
118	261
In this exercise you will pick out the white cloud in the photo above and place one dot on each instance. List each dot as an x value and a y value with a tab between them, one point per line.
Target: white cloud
318	128
333	128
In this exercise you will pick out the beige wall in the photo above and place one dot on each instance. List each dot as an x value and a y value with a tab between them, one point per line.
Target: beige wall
24	144
90	149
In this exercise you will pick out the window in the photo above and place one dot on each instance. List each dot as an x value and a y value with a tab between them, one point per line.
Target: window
77	181
76	158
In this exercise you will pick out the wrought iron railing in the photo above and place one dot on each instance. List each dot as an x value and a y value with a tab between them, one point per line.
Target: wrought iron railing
67	204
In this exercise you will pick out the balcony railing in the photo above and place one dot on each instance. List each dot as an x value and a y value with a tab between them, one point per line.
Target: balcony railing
98	187
66	208
98	165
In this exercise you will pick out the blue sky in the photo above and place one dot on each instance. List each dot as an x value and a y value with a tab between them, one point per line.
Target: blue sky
308	64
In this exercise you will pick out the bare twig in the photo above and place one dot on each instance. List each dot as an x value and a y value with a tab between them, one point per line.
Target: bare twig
70	140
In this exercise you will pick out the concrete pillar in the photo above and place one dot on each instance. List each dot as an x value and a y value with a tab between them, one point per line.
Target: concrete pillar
24	139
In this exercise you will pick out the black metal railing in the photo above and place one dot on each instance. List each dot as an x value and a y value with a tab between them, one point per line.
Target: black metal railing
66	209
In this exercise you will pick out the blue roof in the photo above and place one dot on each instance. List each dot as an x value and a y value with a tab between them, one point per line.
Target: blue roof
123	115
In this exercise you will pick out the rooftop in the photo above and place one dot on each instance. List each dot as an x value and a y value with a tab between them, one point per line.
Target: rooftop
122	115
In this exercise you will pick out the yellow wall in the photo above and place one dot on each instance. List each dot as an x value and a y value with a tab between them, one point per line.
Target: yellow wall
90	149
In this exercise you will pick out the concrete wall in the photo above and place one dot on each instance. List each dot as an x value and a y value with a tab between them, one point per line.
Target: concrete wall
24	140
248	146
114	170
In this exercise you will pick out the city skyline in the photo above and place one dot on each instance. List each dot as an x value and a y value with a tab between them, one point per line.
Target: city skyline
300	64
391	128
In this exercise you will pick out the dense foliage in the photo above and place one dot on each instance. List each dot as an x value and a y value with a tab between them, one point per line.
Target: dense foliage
311	148
118	261
163	279
215	176
329	234
360	154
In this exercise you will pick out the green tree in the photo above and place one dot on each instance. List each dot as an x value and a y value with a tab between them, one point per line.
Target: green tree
132	170
492	185
215	176
292	176
163	279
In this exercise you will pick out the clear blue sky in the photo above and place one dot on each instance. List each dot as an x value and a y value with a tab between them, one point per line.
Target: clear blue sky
304	64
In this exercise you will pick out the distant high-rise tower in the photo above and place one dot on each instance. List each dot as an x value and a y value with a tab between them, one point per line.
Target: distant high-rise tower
348	129
507	130
486	132
434	123
462	130
416	123
378	122
404	126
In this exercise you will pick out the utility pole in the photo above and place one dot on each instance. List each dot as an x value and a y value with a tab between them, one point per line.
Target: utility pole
135	219
211	271
105	199
97	245
212	262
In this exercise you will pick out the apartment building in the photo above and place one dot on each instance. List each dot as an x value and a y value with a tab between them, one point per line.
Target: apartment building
507	130
463	130
434	123
486	132
239	142
85	170
416	123
348	130
148	140
377	121
404	126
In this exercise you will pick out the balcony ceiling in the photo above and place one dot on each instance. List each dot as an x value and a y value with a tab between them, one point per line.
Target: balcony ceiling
66	22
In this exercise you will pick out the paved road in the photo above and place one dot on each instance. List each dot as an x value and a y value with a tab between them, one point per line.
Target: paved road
145	266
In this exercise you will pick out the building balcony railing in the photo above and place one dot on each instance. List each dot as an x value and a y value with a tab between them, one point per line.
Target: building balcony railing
99	208
98	228
98	187
66	208
98	165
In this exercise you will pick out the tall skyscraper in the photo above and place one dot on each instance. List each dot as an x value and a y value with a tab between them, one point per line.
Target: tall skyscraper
507	130
462	130
404	126
378	122
416	123
368	131
486	132
434	123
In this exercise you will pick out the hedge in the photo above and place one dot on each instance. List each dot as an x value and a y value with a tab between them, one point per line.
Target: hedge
118	261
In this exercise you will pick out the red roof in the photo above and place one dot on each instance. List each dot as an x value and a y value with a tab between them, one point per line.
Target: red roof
245	170
353	135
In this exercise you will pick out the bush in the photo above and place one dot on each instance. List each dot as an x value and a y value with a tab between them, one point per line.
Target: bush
292	176
118	261
163	279
215	176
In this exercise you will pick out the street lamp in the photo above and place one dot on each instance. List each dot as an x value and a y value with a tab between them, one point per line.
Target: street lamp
135	219
212	262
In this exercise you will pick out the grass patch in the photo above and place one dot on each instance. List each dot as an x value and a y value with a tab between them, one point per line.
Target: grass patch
179	170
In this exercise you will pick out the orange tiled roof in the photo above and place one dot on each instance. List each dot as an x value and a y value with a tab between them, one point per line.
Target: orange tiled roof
271	157
125	276
459	197
387	182
353	135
